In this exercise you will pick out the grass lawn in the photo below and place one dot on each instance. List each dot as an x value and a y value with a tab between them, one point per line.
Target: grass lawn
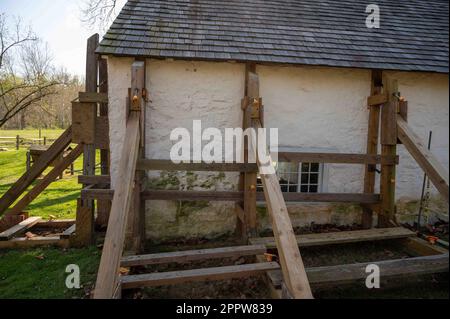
40	273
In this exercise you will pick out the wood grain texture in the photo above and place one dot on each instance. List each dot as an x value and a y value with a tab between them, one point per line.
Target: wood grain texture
108	275
19	228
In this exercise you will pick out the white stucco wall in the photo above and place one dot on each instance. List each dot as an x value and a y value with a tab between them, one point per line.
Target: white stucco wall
314	108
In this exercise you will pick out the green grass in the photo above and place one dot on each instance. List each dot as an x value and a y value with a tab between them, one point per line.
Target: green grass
22	274
41	273
58	200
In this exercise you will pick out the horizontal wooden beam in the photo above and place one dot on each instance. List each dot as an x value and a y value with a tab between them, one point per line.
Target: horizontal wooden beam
94	180
377	99
192	255
167	165
196	275
19	228
337	158
426	160
56	224
69	232
26	243
328	198
339	238
228	196
193	196
92	97
344	274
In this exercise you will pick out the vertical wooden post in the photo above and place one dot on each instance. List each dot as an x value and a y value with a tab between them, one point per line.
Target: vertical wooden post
103	88
136	219
388	148
372	145
84	226
91	86
17	142
248	181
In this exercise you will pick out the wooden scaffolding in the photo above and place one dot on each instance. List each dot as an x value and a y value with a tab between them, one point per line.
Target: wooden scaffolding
123	209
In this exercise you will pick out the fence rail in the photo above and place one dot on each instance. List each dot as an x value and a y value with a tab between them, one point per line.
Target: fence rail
19	141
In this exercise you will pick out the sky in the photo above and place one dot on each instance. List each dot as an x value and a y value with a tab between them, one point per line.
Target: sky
58	23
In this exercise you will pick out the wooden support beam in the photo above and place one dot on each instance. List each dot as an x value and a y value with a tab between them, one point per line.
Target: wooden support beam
104	110
94	180
435	171
289	254
372	146
377	99
418	247
339	238
196	275
27	243
93	97
346	274
56	224
167	165
69	232
83	122
19	228
336	158
84	225
193	196
181	257
46	181
91	87
328	198
388	148
108	274
36	170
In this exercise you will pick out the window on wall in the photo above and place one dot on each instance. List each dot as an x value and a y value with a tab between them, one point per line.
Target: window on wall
299	178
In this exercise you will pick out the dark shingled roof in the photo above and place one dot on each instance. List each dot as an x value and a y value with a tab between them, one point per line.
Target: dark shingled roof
413	34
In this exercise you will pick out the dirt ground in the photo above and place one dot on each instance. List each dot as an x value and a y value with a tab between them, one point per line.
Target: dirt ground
428	287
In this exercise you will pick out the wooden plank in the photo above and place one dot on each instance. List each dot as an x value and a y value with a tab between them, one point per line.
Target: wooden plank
435	171
288	250
69	232
196	275
193	196
344	274
388	141
46	181
24	243
19	228
84	225
377	99
228	196
107	279
36	170
181	257
340	238
83	122
419	247
328	198
337	158
94	180
101	134
93	97
103	89
91	87
372	146
167	165
56	224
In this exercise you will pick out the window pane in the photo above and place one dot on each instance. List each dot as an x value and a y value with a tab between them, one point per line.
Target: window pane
305	178
293	188
305	167
314	179
313	189
304	189
315	167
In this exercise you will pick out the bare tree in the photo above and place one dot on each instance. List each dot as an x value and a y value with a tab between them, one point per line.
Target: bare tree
99	12
22	53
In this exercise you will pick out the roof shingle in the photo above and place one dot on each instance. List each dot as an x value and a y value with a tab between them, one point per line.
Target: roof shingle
413	34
